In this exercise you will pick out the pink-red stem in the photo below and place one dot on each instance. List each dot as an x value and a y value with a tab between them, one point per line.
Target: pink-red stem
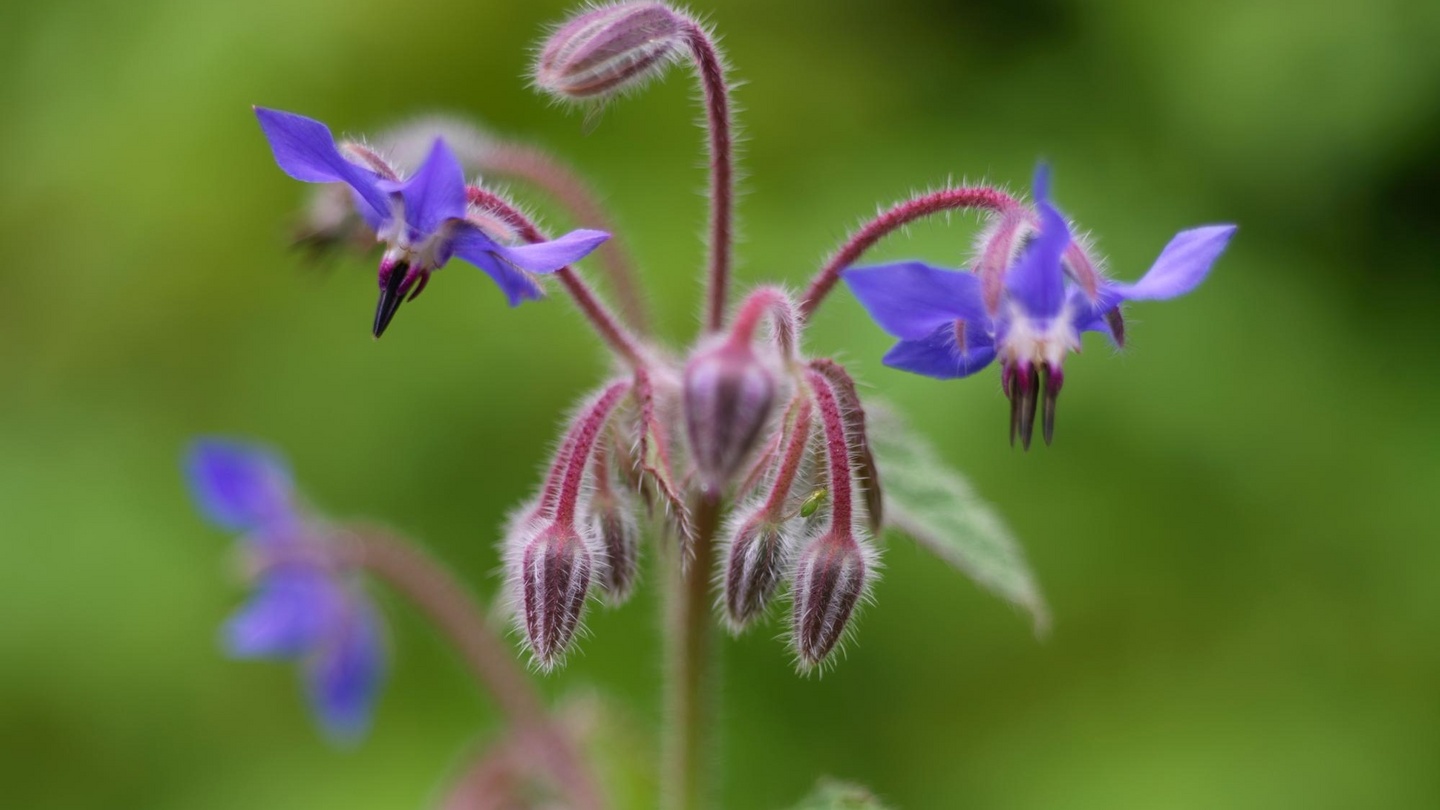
604	321
711	73
900	215
837	451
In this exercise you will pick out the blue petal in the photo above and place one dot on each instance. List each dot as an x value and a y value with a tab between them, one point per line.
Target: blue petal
547	257
911	299
305	150
239	487
940	354
286	618
472	245
1182	265
343	680
1036	281
1040	184
1089	316
434	194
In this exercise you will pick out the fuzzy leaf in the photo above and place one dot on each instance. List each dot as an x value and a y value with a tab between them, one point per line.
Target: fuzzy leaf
935	506
832	794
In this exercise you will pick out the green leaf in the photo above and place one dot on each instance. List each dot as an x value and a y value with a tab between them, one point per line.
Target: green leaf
832	794
935	506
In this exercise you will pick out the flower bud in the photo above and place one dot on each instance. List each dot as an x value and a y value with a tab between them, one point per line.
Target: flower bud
755	560
729	394
554	578
609	49
618	533
830	578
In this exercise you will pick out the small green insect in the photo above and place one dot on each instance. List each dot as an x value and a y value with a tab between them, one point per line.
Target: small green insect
813	502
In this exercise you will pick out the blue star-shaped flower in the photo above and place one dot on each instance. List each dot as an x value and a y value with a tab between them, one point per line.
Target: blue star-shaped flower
946	330
303	607
424	220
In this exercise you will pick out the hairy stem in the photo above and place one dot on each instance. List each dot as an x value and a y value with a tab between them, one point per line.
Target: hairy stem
774	302
569	189
437	593
711	73
614	334
897	217
690	680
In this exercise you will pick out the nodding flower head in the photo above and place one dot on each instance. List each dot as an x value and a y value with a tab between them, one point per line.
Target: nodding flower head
304	608
424	220
949	327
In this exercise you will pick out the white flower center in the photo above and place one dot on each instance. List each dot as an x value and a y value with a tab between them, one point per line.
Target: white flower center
1033	341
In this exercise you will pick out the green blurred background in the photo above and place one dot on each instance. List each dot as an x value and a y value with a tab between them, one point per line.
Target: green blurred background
1236	528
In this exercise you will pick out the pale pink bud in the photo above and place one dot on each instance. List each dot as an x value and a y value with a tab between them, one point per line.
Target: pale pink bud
729	394
830	579
606	50
618	534
755	560
554	579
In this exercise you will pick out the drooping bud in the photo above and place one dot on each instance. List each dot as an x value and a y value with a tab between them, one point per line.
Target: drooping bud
729	394
618	534
610	49
555	572
830	579
755	560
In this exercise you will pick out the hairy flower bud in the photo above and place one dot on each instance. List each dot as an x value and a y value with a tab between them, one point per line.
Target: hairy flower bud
729	394
754	562
607	50
554	578
830	579
618	534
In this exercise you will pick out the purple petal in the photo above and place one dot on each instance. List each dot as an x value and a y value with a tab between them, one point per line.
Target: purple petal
285	618
547	257
471	244
1089	316
305	150
344	678
1040	184
1036	280
942	354
239	487
434	194
911	299
1182	265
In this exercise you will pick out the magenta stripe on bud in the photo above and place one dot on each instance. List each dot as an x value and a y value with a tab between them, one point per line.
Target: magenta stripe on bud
606	50
830	578
555	572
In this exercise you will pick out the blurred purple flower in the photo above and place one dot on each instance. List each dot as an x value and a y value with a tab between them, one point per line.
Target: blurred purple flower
946	330
424	220
303	607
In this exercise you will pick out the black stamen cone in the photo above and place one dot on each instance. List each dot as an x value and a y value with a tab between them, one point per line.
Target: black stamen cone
1028	383
1052	391
1012	390
391	297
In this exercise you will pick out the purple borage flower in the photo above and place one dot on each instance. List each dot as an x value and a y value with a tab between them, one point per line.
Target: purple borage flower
424	220
303	607
948	327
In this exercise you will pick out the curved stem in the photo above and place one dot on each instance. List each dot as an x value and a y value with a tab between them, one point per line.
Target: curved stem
710	71
837	450
896	217
604	321
455	612
774	302
569	189
690	680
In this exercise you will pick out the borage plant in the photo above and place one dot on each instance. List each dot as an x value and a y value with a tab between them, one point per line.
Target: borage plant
755	471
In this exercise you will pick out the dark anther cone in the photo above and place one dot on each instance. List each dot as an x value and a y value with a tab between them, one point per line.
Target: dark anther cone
391	297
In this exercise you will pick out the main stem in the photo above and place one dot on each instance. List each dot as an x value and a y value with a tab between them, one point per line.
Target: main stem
711	73
454	611
690	698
